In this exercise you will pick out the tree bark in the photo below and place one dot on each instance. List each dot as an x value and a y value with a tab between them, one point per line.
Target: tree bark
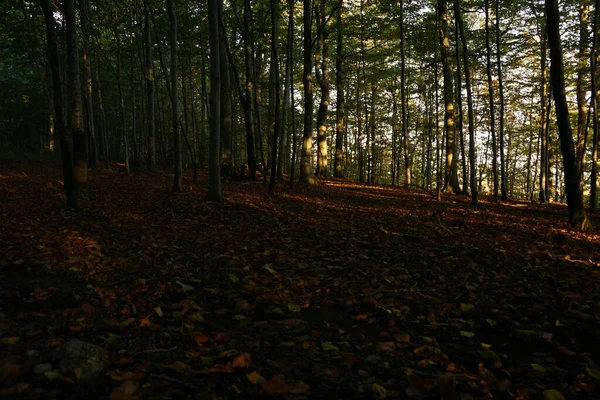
577	215
338	171
451	170
177	168
323	77
503	175
581	86
151	160
594	181
226	110
214	173
306	154
474	194
488	69
84	7
404	100
277	105
58	102
76	125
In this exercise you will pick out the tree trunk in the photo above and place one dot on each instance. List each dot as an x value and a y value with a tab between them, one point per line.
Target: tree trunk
503	193
459	103
577	215
283	144
338	170
491	99
277	105
59	108
84	7
214	173
581	86
594	181
543	126
474	194
226	110
121	102
306	156
404	100
451	177
76	125
177	168
322	74
151	160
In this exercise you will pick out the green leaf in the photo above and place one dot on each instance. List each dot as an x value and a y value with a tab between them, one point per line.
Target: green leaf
184	287
553	394
327	346
538	368
467	334
593	372
293	307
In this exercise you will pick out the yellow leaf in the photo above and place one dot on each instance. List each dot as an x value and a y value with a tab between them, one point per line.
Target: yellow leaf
379	391
158	311
467	334
11	340
593	372
466	307
254	378
553	394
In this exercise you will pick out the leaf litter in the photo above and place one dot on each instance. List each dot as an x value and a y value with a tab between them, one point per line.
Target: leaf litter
338	290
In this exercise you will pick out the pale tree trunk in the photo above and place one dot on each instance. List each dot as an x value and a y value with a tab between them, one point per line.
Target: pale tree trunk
338	171
322	74
581	87
58	102
474	194
306	154
491	99
577	215
76	126
283	145
459	103
177	176
543	197
451	170
503	188
594	182
277	104
151	160
214	173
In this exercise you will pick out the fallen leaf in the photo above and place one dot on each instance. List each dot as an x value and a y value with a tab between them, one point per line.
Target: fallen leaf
553	394
254	377
11	340
242	361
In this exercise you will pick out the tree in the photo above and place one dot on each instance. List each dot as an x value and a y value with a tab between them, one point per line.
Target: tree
451	171
275	71
214	173
577	215
59	108
503	188
76	111
322	75
177	176
594	182
491	99
341	99
149	76
306	174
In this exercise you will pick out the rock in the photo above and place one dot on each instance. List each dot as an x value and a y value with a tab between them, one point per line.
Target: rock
83	360
42	368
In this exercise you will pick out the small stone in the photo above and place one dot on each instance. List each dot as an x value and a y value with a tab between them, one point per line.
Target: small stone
42	368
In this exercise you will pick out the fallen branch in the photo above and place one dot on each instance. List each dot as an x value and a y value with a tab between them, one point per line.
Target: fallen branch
156	351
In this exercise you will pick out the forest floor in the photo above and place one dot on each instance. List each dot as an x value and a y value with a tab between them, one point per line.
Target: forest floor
338	290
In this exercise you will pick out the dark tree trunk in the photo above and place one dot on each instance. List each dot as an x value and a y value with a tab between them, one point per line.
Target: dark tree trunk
84	7
151	160
577	215
404	100
338	171
277	104
76	125
177	169
503	175
491	99
322	74
59	107
214	173
594	182
226	110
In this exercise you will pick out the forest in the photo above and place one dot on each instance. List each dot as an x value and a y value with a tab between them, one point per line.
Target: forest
357	199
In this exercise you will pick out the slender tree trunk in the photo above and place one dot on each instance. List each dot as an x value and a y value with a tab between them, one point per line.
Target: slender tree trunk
323	77
58	102
283	144
543	125
133	105
459	103
84	7
277	104
372	131
451	178
151	160
306	157
404	99
226	110
503	174
76	123
491	99
341	99
577	215
581	86
594	181
121	103
214	173
474	194
177	176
